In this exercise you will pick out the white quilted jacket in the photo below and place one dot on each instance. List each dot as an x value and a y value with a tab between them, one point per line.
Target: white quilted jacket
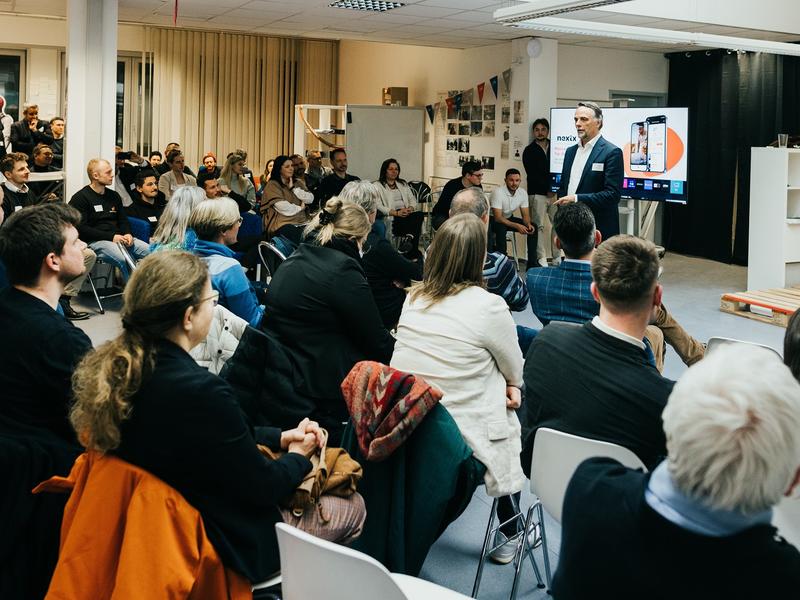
223	338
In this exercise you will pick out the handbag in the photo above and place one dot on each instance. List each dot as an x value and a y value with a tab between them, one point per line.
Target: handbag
337	474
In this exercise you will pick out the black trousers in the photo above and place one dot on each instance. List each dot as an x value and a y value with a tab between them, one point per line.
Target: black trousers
410	225
497	239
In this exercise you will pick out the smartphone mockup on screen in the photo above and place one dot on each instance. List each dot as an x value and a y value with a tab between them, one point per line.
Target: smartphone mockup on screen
639	146
657	144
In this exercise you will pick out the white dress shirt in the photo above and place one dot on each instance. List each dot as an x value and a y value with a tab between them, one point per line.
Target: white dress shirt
581	156
617	334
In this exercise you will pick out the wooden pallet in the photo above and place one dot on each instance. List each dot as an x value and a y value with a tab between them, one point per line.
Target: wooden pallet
779	304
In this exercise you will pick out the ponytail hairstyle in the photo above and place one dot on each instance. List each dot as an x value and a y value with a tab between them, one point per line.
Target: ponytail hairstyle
339	219
158	293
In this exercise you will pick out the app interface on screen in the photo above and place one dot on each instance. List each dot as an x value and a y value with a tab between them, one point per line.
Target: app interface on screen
639	146
657	141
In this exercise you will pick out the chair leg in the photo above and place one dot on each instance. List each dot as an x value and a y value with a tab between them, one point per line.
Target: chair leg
96	297
485	547
545	551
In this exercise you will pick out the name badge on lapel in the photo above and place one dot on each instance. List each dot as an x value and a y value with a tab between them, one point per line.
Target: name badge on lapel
597	166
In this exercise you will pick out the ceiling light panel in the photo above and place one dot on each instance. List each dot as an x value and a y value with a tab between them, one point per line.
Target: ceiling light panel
366	5
535	9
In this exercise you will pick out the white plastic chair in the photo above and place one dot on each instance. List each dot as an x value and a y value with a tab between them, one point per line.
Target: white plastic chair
717	342
315	568
556	455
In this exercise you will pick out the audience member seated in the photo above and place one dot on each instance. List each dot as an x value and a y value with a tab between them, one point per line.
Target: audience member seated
42	163
455	335
599	380
29	131
505	201
388	272
283	202
235	185
16	192
699	525
333	184
791	345
173	231
162	167
57	126
141	398
155	159
264	178
40	247
209	167
315	172
246	172
320	309
216	223
471	176
397	201
126	166
148	201
562	293
299	167
174	178
210	186
499	273
104	223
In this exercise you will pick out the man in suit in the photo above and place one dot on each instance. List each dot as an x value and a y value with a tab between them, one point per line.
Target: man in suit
563	293
593	171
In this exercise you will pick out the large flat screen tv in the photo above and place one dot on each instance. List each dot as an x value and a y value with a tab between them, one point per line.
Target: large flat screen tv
653	143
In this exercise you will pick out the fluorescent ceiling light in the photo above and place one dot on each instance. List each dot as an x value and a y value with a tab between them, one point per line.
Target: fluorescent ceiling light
535	9
369	5
658	36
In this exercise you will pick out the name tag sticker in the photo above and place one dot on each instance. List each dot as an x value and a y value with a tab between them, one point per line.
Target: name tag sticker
16	208
98	208
597	166
132	186
152	219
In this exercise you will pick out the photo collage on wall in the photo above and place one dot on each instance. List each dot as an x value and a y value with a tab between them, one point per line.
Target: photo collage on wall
470	121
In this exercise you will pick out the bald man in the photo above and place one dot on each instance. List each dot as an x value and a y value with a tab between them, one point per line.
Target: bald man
104	225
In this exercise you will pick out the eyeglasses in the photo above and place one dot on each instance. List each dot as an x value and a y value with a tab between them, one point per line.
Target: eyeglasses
213	297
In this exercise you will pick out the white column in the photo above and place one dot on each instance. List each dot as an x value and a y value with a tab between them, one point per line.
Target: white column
91	86
535	78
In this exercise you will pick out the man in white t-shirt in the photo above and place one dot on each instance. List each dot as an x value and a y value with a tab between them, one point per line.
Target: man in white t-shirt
505	201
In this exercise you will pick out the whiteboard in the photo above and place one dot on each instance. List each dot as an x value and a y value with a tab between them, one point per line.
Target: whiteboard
375	133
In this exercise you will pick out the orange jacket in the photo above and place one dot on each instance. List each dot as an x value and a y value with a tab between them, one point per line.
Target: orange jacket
127	535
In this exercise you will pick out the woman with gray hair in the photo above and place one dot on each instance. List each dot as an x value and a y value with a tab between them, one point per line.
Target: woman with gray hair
699	525
173	232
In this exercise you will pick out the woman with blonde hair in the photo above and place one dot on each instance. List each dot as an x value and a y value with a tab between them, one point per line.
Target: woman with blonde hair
173	231
233	183
142	398
320	308
462	339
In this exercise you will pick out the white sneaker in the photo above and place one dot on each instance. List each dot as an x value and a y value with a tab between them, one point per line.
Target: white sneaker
543	262
503	554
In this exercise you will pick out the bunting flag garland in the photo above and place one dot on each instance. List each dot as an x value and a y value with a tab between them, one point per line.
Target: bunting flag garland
507	79
429	108
467	96
493	82
450	103
459	98
481	87
175	14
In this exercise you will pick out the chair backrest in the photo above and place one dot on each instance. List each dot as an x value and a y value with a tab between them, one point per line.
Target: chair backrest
421	191
271	258
140	229
123	249
556	455
314	568
716	342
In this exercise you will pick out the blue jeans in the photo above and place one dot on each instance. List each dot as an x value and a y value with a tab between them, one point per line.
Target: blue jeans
525	336
109	253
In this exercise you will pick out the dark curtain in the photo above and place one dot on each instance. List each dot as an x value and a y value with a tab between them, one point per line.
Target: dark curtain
735	101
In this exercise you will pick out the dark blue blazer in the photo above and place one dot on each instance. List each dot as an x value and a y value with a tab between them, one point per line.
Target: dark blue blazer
599	190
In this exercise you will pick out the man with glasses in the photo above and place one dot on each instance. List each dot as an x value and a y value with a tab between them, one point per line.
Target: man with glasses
315	172
593	171
471	175
299	166
43	163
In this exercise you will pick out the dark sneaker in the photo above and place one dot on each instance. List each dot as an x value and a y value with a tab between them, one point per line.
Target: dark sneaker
71	313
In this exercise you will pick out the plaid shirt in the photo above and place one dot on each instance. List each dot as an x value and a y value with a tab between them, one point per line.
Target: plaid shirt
562	293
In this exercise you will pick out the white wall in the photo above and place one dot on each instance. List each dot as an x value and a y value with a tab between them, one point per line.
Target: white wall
588	73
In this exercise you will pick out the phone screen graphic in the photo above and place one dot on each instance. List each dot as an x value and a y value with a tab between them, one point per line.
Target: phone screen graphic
657	144
639	146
